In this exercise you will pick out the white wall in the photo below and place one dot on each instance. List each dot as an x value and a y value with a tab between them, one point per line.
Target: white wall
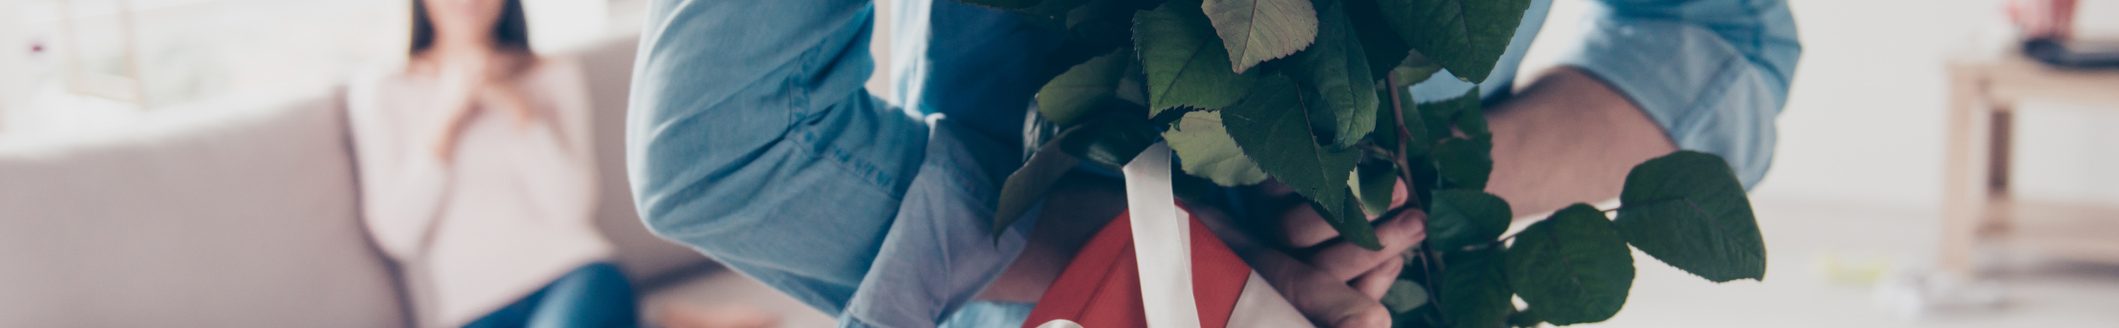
1864	121
566	23
12	57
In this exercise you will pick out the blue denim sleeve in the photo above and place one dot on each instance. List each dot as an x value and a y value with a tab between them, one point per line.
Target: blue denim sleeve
751	138
1713	73
975	69
939	254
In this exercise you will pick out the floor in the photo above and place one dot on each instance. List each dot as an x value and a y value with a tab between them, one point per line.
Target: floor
1853	202
1831	264
719	288
1827	261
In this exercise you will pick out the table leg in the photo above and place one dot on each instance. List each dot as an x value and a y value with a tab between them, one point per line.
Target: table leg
2001	152
1967	168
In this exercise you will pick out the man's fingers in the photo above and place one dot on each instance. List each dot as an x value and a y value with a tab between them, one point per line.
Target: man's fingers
1378	280
1399	194
1346	260
1305	229
1326	301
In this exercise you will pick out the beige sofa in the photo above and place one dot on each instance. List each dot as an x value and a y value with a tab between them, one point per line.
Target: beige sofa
240	216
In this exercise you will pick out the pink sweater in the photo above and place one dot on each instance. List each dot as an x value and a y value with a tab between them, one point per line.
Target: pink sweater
509	214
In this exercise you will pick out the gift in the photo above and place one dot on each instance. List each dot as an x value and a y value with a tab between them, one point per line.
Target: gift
1158	266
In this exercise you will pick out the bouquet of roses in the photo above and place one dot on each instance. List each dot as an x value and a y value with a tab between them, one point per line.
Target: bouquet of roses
1310	93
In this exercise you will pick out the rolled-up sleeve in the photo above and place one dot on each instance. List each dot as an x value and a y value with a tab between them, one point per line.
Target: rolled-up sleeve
1713	73
750	137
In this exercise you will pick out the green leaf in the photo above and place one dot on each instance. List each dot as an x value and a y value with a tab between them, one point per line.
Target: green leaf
1524	318
1464	217
1386	133
1112	137
1464	163
1346	217
1374	182
1413	70
1572	267
1381	45
1073	95
1272	127
1472	123
1094	29
1425	180
1443	119
1133	90
1404	296
1184	61
1255	31
1461	162
1337	70
1465	36
1205	150
1030	183
1108	22
1474	292
1687	209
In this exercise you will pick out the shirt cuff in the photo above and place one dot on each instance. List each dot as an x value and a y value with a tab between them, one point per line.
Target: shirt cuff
940	251
1705	93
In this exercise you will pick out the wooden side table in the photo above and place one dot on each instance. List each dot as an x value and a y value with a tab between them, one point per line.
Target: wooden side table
1978	211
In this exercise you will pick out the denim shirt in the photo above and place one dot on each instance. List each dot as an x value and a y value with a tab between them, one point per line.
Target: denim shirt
751	138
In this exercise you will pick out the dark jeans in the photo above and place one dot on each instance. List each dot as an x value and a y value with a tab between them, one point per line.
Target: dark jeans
594	295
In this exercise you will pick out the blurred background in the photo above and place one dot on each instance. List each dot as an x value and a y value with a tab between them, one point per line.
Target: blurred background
187	161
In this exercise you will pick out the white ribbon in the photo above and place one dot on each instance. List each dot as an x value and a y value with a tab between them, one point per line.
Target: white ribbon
1161	241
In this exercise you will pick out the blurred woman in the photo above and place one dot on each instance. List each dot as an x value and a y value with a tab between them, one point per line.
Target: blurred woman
476	176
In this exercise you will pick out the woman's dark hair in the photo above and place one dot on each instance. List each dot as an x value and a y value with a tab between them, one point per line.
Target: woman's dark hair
510	32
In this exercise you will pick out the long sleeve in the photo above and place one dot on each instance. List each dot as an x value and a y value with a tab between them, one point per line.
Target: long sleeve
400	191
554	157
1713	73
751	138
509	213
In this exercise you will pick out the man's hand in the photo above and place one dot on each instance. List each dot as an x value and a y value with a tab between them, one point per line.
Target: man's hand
1305	233
1333	282
1320	292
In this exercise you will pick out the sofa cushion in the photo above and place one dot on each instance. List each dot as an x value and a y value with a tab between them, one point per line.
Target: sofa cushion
243	217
